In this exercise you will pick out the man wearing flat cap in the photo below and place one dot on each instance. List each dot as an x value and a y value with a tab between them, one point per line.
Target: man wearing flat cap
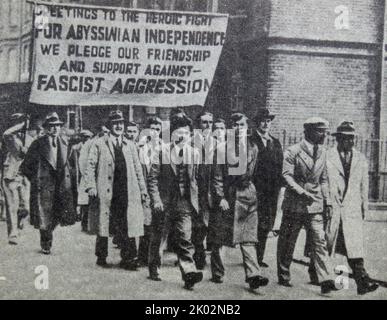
306	203
117	191
348	182
268	178
47	166
15	185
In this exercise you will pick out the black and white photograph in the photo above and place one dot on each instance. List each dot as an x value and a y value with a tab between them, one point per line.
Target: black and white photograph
193	150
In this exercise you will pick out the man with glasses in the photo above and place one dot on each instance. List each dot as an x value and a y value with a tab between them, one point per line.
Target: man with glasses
206	144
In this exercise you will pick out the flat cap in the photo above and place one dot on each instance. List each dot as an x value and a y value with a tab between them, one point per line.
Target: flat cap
86	133
316	123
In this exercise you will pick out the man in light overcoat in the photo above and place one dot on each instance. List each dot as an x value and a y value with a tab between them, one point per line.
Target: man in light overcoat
348	183
117	191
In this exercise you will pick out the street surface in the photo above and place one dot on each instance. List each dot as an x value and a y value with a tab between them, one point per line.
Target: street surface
72	273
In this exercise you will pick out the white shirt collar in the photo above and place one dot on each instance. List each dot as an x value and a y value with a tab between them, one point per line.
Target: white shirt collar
113	139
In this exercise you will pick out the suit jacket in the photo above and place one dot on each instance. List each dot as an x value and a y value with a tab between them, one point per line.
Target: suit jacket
349	202
163	180
302	174
268	178
51	185
16	150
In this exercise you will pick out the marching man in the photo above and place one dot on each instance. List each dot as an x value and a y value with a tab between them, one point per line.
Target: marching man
117	191
15	185
348	182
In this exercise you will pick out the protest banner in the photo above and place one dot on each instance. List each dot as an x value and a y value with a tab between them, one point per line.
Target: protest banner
116	56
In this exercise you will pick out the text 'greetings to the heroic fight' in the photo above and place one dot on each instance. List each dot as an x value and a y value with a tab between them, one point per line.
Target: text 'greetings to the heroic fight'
108	56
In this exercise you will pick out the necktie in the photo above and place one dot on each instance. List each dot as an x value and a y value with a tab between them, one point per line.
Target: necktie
315	149
54	142
117	143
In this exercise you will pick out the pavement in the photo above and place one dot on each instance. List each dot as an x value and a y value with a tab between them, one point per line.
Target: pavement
72	273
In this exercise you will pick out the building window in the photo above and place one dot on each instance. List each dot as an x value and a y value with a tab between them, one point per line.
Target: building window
13	13
12	65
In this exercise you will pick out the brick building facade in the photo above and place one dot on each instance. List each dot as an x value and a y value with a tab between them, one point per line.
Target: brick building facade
299	58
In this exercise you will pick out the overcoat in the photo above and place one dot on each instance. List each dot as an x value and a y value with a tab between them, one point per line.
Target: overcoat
349	204
99	175
240	224
51	192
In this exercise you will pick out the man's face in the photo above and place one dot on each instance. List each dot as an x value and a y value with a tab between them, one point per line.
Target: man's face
132	132
155	130
240	127
264	126
181	135
206	122
346	142
117	128
220	129
53	130
317	135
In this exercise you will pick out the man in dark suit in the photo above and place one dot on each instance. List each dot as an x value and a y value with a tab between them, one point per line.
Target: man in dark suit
306	203
47	167
173	189
268	178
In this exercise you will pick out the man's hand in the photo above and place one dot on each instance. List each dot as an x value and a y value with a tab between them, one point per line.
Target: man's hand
92	192
158	207
224	205
309	197
328	212
144	198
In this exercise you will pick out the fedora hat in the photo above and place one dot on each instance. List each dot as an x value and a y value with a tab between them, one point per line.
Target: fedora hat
262	114
116	116
52	119
346	128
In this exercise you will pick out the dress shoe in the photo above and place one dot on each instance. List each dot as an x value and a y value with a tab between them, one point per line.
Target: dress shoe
102	263
191	278
263	264
12	240
129	265
216	280
257	281
46	251
366	286
285	283
154	277
328	286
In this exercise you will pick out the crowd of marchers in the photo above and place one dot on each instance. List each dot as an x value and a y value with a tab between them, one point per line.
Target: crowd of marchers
126	188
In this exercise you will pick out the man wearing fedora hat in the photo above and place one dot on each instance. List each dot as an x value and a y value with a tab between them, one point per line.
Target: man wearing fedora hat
306	203
47	166
117	191
348	182
268	178
16	186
